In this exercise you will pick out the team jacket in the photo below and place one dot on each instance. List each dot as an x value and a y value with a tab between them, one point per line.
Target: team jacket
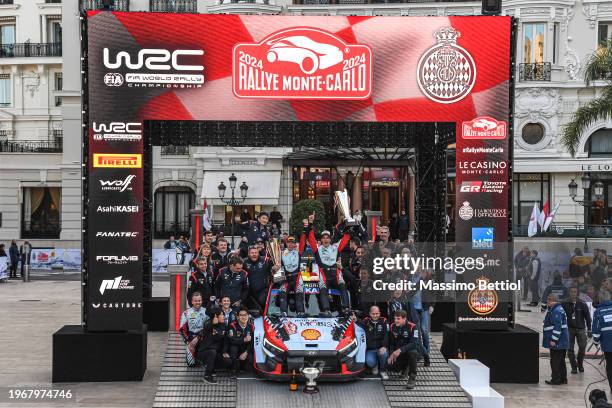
602	326
254	230
555	329
394	305
291	261
192	323
213	335
236	334
404	338
377	332
218	261
259	273
203	283
234	285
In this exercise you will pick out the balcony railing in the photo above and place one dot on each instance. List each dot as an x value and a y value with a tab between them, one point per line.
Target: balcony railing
111	5
175	150
5	2
31	50
163	230
568	230
53	1
40	230
323	2
31	146
173	6
539	71
245	2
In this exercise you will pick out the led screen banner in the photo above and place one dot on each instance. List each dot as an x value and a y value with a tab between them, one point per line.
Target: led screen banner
154	66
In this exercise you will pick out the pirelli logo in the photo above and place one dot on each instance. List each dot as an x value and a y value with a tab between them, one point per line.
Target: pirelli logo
118	161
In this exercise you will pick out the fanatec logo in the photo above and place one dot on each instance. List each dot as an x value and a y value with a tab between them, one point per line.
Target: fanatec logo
117	260
117	185
116	234
162	63
115	284
117	208
117	132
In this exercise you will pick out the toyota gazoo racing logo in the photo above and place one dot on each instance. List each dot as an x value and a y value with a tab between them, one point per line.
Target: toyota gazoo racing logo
302	63
483	127
446	72
116	234
117	160
117	132
117	185
155	68
116	259
116	284
478	186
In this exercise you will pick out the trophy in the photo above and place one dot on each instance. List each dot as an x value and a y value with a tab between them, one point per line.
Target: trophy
311	373
342	201
274	251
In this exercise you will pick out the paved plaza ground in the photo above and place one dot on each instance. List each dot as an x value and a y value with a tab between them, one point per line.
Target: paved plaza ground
31	312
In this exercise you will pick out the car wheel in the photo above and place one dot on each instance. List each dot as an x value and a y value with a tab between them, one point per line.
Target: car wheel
309	65
271	56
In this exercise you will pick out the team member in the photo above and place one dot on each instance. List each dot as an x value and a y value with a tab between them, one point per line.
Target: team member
259	270
192	323
578	322
213	336
350	271
290	259
377	340
204	252
229	315
403	343
330	268
201	280
233	282
602	332
238	346
256	229
556	338
220	256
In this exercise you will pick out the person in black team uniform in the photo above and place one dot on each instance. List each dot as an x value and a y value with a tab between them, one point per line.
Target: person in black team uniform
256	229
259	270
327	256
377	341
201	280
233	282
213	336
238	348
403	346
220	257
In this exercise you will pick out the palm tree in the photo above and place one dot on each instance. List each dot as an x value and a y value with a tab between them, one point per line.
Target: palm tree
598	67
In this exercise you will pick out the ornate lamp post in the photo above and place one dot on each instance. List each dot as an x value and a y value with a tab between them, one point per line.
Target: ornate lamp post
598	188
233	201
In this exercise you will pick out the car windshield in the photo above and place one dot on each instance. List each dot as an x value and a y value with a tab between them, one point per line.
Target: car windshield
311	305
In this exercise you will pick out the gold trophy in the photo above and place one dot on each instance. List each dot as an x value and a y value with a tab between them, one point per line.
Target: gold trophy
342	201
274	251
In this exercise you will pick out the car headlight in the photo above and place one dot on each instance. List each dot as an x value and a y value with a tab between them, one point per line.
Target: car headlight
277	351
348	349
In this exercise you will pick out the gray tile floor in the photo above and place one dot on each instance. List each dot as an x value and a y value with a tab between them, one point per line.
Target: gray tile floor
30	313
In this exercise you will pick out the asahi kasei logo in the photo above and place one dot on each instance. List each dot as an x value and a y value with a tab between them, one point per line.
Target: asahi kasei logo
446	72
304	63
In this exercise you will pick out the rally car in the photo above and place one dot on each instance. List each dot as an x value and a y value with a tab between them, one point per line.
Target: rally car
284	345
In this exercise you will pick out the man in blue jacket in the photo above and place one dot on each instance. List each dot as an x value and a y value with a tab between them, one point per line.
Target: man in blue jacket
556	338
602	333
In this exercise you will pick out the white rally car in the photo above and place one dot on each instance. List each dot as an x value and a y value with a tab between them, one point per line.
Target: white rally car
284	345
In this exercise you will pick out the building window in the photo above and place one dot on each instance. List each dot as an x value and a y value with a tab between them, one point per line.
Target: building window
532	187
533	133
555	45
533	43
40	213
5	90
604	32
171	211
55	32
600	143
59	83
7	34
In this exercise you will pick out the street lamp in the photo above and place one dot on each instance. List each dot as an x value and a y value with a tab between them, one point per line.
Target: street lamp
598	188
233	201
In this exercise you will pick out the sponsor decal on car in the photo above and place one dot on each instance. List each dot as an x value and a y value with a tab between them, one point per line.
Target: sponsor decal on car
304	63
311	334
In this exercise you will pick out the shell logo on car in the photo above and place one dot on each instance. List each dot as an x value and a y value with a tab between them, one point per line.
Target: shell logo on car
311	334
304	63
